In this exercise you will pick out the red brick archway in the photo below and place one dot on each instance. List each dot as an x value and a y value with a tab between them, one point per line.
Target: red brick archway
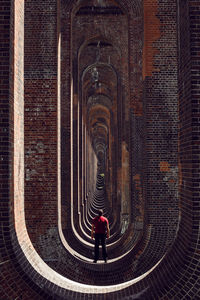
169	241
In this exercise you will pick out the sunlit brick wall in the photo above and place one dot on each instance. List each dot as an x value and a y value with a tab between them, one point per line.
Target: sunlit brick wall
165	120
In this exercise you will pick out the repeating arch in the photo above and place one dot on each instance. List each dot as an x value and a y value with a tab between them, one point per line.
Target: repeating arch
130	249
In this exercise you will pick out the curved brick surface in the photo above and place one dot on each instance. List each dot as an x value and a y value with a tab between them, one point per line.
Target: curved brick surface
145	106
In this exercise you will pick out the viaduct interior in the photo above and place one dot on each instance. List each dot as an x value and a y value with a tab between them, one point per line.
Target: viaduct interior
102	109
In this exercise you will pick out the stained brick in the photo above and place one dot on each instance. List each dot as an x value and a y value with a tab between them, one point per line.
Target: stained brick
163	140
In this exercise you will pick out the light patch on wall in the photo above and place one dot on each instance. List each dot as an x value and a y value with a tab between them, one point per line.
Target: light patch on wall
164	166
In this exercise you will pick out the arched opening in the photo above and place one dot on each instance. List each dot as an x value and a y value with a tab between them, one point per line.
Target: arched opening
104	120
100	113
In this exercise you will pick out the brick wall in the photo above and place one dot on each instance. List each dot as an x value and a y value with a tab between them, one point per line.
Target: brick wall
169	221
40	107
161	120
14	283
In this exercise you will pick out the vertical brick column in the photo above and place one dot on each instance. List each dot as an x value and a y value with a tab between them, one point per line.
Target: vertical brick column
6	141
5	107
14	283
186	121
183	259
189	80
195	93
177	276
40	129
161	124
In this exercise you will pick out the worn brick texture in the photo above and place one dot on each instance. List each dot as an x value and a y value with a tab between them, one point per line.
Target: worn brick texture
155	110
40	119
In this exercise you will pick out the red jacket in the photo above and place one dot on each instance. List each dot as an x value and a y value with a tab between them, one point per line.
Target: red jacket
100	224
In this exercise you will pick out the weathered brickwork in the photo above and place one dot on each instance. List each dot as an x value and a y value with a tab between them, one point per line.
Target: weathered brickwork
40	123
5	56
14	283
153	117
161	117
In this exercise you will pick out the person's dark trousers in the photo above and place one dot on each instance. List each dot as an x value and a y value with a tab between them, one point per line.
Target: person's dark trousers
100	238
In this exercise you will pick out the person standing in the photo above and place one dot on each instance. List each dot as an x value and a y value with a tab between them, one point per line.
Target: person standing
101	231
